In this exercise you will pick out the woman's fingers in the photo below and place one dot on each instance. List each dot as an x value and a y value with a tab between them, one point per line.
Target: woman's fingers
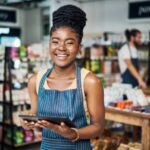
46	124
28	125
39	125
64	127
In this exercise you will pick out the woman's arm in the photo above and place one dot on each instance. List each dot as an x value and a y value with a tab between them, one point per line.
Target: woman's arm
95	102
33	98
33	94
135	73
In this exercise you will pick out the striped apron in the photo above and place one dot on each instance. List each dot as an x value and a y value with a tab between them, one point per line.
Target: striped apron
67	103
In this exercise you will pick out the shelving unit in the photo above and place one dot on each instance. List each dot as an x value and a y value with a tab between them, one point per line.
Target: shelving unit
4	103
23	144
148	80
8	105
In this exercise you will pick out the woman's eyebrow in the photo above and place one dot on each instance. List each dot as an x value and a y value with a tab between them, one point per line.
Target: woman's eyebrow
70	39
57	38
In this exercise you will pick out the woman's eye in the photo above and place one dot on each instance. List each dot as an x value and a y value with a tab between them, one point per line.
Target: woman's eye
69	43
55	42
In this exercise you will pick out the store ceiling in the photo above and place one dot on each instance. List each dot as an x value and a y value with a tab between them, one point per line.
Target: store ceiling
28	2
19	3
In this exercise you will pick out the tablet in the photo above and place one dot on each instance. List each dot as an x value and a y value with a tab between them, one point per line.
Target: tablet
29	118
55	120
58	120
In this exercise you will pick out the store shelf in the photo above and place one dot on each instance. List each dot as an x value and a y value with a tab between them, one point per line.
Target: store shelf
2	81
23	144
14	104
107	75
111	58
6	103
5	124
144	60
103	59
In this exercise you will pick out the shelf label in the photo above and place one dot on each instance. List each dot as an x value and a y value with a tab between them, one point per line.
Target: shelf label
8	16
139	10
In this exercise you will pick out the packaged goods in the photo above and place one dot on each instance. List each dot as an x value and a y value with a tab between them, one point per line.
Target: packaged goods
95	65
130	146
107	67
137	96
18	135
28	135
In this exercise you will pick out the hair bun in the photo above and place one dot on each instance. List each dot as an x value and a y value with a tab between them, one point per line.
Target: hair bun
127	34
70	15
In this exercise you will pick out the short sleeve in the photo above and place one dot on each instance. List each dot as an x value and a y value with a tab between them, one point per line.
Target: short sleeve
125	53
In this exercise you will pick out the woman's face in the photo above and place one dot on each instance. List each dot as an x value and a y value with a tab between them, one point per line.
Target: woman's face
64	46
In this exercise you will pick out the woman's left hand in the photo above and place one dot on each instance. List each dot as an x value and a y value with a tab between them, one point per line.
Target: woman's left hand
61	129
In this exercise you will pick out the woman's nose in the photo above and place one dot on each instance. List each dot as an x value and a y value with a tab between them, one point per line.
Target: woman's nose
62	47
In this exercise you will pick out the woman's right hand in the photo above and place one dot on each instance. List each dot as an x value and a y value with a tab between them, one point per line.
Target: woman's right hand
26	124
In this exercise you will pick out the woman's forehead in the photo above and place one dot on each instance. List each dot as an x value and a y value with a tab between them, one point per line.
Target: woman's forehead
64	33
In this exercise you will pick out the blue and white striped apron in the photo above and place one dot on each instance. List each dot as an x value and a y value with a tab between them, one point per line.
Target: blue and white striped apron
67	103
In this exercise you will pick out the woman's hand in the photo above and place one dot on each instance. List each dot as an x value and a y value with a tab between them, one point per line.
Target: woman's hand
26	124
61	129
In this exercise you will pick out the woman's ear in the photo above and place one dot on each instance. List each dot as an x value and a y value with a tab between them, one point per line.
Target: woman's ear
80	48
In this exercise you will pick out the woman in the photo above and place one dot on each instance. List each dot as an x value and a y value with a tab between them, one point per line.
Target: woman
128	59
66	90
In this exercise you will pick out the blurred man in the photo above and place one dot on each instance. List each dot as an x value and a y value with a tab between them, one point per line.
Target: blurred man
128	59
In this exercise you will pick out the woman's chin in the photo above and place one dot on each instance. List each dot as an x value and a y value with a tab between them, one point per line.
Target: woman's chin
61	65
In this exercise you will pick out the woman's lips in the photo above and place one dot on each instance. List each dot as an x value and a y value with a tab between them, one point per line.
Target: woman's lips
61	56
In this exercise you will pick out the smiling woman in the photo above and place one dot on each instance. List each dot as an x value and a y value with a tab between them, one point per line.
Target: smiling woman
66	90
64	46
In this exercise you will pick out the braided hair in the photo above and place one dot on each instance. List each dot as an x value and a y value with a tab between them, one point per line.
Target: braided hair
69	16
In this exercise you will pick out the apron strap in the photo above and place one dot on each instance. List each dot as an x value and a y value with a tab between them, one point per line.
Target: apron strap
129	48
78	77
44	78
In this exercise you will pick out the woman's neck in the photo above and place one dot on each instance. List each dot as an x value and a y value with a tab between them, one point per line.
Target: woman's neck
64	71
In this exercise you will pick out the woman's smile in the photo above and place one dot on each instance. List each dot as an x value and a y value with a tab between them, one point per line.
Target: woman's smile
61	56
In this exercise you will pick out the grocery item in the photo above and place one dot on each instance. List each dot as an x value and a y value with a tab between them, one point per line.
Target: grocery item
137	96
95	65
28	135
22	51
18	135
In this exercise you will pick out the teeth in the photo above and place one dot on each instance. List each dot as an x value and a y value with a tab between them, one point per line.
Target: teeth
61	55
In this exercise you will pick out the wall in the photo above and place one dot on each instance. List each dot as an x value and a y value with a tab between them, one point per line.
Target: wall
20	21
33	26
95	16
104	15
111	15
